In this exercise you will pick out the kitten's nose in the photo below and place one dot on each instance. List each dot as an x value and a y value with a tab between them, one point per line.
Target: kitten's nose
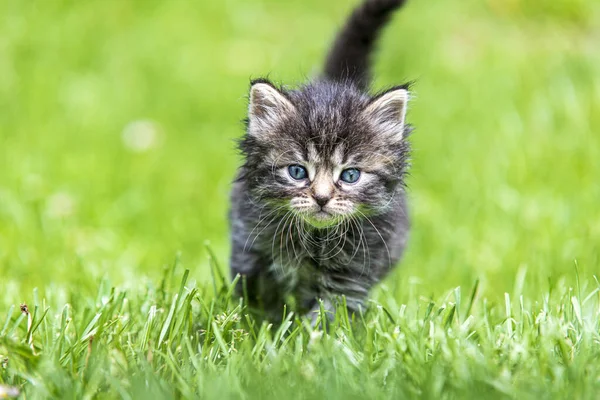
322	188
321	200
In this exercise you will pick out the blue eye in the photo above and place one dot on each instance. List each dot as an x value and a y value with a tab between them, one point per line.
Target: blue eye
350	175
297	172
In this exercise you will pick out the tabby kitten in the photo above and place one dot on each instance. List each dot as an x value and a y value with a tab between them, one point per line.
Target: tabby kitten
318	206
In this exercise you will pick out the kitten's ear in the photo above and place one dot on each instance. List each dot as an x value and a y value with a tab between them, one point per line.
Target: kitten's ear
266	109
388	111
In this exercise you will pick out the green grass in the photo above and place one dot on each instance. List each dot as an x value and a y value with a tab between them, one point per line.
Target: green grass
496	296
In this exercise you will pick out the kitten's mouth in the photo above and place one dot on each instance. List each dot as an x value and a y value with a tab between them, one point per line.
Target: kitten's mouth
322	219
321	215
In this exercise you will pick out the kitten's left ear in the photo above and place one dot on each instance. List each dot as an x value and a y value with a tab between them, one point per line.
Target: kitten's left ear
388	112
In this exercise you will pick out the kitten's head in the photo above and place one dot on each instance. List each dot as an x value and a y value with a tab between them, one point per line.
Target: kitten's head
325	151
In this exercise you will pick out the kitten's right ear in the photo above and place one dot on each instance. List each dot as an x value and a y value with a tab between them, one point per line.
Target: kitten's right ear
266	108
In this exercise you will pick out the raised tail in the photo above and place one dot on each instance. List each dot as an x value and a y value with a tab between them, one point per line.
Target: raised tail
349	57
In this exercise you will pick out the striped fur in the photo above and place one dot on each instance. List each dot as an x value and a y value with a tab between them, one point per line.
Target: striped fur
284	243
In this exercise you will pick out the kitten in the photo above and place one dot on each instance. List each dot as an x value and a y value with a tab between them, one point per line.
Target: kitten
318	206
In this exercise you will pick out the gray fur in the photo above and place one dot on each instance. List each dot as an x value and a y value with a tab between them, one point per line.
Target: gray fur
285	242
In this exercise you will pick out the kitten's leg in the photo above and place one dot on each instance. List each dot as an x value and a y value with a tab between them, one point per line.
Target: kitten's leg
354	288
315	313
256	284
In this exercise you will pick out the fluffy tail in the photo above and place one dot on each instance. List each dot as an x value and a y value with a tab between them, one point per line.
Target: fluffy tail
349	56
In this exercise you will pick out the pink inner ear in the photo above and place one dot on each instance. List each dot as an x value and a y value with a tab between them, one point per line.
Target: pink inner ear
267	106
264	97
388	112
391	105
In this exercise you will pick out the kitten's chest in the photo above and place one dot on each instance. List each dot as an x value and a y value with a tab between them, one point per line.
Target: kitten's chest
323	250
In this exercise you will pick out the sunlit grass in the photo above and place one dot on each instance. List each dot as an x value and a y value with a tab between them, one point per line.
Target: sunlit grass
175	339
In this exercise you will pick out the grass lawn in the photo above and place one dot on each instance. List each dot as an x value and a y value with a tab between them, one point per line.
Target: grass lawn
117	128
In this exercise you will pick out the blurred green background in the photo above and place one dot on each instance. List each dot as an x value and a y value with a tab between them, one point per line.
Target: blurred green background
118	120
